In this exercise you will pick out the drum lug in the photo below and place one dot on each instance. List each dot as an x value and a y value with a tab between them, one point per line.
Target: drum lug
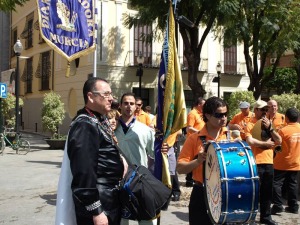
239	178
255	178
239	211
243	162
228	163
224	179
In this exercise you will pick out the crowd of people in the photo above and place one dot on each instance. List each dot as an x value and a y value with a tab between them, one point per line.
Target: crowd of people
93	167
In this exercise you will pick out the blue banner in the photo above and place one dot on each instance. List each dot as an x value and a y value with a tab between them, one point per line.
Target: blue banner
68	26
159	116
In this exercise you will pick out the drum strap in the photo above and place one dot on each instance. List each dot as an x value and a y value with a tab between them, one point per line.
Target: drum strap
203	139
204	142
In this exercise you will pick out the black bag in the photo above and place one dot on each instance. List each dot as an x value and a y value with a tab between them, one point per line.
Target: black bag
142	195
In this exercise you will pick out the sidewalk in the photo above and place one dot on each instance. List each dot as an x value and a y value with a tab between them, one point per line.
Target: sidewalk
28	189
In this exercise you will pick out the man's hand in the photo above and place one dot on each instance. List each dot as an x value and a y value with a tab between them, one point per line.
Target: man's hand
165	148
266	122
100	219
201	157
268	144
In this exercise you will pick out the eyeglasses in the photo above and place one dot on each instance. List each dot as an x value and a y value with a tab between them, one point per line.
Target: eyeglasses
139	104
128	103
106	94
220	115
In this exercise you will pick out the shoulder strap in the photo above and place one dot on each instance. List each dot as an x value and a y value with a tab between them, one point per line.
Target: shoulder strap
203	139
204	142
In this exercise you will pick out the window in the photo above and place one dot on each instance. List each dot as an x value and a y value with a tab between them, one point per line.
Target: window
14	38
44	70
230	60
143	44
37	27
27	75
27	33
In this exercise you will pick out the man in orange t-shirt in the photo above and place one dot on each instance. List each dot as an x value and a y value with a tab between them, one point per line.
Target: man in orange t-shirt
287	164
240	120
263	153
140	115
195	119
277	118
192	156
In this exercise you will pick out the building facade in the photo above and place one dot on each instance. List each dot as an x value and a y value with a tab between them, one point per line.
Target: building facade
43	70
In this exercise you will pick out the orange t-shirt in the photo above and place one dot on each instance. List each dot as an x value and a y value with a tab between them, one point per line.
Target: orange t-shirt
195	120
278	121
242	121
262	156
289	158
193	145
143	117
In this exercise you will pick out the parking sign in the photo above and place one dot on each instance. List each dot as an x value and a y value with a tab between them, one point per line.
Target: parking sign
3	90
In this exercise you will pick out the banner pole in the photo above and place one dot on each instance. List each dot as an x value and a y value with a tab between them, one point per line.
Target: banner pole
96	39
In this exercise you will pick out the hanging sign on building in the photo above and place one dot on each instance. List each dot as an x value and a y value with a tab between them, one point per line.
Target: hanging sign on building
68	26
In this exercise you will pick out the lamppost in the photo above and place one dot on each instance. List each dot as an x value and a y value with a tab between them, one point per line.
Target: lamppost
219	69
18	48
139	71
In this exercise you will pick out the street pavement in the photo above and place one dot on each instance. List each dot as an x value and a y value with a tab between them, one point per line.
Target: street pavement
28	186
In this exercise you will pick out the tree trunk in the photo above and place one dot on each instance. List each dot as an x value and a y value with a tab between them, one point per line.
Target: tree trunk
194	84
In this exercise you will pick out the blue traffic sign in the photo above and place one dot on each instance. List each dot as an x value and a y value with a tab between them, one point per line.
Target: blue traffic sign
3	90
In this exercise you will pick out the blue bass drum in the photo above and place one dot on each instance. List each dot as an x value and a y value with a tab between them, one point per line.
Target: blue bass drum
231	182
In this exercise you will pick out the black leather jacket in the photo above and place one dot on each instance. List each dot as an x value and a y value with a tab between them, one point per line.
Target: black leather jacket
95	164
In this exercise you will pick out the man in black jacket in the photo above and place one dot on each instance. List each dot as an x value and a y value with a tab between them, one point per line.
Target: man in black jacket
95	163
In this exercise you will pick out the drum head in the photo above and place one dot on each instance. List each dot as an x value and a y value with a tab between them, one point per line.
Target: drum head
213	184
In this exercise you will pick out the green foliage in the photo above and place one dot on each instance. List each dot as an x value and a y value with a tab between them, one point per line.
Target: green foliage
53	113
286	101
235	99
8	5
266	28
284	81
8	109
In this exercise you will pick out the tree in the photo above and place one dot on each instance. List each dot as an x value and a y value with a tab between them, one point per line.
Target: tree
197	13
8	5
267	29
297	68
284	81
8	112
53	113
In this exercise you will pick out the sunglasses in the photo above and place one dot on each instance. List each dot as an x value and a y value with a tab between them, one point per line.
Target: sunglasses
220	115
139	104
